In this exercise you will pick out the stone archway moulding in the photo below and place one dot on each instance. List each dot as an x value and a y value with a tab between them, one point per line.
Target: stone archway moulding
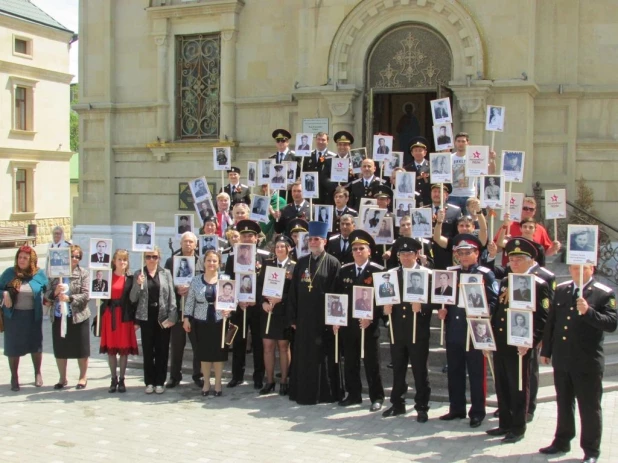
371	18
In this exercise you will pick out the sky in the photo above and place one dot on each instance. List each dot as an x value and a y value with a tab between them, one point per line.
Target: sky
66	13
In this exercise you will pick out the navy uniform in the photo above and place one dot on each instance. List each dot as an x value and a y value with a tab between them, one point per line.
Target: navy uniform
444	257
574	342
238	193
351	334
423	188
403	350
290	212
340	213
513	403
287	154
318	162
341	248
362	188
458	359
327	187
393	261
239	347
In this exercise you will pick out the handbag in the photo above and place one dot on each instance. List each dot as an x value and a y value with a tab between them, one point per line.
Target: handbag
230	334
1	318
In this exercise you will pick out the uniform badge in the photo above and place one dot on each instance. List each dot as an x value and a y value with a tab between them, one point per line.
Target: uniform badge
545	303
612	303
553	286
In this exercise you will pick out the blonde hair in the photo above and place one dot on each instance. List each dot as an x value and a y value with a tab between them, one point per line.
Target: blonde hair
123	254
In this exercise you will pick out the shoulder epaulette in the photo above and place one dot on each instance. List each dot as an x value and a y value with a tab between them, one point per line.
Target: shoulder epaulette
263	252
546	271
602	287
292	262
484	269
351	210
335	237
373	264
242	185
538	279
453	267
565	283
355	181
347	265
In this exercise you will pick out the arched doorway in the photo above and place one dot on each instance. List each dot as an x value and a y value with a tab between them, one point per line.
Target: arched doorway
408	66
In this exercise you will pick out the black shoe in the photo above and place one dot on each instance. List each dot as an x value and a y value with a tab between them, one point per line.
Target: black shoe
277	375
81	386
267	389
284	388
172	383
14	384
529	417
422	417
395	410
233	383
450	416
497	432
511	438
205	393
554	449
589	459
376	406
121	387
496	413
350	401
259	385
217	393
113	385
59	386
475	422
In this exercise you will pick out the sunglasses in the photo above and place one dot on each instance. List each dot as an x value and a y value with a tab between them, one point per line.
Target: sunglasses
282	141
76	257
528	209
155	257
357	249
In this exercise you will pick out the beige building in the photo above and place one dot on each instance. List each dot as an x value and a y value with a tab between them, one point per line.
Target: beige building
34	119
164	81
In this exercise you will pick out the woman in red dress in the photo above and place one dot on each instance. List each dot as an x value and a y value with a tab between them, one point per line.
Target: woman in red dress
117	321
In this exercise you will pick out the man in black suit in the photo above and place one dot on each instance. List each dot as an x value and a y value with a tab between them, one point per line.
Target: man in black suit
416	279
339	245
317	163
444	289
297	208
341	207
309	183
239	193
382	148
440	111
101	256
443	138
573	340
221	157
183	224
363	186
199	188
522	293
415	161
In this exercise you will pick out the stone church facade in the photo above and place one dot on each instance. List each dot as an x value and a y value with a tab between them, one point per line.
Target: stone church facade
162	82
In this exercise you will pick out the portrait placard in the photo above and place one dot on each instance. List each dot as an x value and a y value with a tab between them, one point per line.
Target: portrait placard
143	236
515	202
363	210
222	158
184	269
416	285
199	189
251	173
205	209
274	279
404	185
481	334
264	171
467	278
302	248
100	283
477	160
362	298
336	309
555	204
441	111
278	177
373	217
339	169
582	244
443	286
245	287
322	213
443	136
259	208
244	258
495	118
385	231
304	144
100	253
59	262
226	295
382	147
310	185
522	291
421	222
403	208
208	243
290	167
513	166
357	155
475	299
395	160
386	288
493	191
182	223
440	166
519	328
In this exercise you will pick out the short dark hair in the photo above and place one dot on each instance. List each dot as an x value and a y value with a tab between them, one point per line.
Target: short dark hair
227	283
462	135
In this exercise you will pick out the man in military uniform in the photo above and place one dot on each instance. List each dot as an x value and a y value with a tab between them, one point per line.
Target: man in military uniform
309	183
278	178
344	142
336	308
221	157
474	299
403	350
249	231
420	165
360	273
342	196
282	139
386	289
416	279
238	192
573	343
444	223
298	208
513	403
363	186
317	163
339	245
467	249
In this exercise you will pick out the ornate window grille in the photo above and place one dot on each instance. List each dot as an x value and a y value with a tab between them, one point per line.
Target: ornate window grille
198	76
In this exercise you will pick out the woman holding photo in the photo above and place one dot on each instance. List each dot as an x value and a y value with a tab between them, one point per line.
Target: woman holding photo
22	287
206	322
74	291
156	313
118	339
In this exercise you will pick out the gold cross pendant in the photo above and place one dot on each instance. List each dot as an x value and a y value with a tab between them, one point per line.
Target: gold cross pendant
310	287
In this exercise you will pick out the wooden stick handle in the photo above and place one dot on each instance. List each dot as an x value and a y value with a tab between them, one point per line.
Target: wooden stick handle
244	324
555	229
268	322
442	330
337	346
414	329
491	227
362	343
491	367
182	308
493	140
223	333
390	328
98	328
142	267
520	372
441	195
468	339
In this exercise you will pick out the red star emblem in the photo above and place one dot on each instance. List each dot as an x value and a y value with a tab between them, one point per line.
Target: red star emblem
340	165
554	198
476	155
275	276
512	200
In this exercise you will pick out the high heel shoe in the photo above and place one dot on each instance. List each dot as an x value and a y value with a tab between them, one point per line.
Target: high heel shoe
284	388
14	384
267	389
113	385
81	386
60	385
218	393
121	386
205	393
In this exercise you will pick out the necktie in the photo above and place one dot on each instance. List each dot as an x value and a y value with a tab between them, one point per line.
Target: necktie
280	265
297	208
358	271
279	157
100	258
436	210
339	213
575	293
366	184
318	155
344	245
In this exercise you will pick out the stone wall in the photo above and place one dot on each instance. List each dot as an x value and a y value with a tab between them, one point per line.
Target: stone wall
44	227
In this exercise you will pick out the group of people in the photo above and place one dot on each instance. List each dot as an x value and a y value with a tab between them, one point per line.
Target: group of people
312	370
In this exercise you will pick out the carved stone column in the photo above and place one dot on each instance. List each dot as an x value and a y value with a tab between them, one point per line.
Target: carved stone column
472	102
227	129
162	100
341	106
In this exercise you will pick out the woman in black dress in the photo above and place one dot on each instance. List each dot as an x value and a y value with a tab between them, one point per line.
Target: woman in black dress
278	329
206	322
74	291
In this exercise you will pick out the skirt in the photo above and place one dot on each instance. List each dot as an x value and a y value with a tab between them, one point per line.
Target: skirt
208	338
120	341
22	334
76	343
277	329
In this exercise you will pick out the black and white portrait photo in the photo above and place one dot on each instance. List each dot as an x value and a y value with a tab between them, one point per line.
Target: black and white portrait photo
493	191
495	119
385	231
403	208
208	243
336	308
183	223
582	244
59	262
278	177
467	278
304	144
205	209
100	252
322	213
405	185
199	189
362	302
100	283
513	166
290	167
475	300
264	171
522	291
395	160
245	283
519	329
440	168
310	185
421	222
259	208
183	269
222	158
357	155
443	136
302	247
143	236
442	287
244	257
441	111
373	217
481	334
416	285
382	147
251	172
226	295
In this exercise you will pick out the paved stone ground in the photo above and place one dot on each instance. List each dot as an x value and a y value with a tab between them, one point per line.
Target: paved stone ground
43	425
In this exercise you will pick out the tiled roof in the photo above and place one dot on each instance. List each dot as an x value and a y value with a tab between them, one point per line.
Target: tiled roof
24	9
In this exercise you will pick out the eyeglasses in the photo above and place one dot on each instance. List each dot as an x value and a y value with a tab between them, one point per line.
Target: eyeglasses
282	141
358	249
76	257
528	209
155	257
